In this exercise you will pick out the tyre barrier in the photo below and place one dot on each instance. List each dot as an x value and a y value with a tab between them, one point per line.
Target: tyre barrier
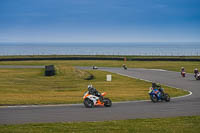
50	70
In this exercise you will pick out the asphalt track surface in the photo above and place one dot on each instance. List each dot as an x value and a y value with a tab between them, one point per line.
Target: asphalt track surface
182	106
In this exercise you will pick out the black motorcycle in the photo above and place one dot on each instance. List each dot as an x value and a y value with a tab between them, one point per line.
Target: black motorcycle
197	76
125	67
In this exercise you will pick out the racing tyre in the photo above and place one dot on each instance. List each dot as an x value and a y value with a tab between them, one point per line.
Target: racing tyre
107	102
197	77
88	103
154	98
167	97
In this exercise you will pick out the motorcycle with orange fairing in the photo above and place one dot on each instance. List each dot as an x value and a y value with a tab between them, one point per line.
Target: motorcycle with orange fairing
91	101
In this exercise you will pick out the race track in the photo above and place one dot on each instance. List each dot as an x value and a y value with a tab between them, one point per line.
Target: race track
183	106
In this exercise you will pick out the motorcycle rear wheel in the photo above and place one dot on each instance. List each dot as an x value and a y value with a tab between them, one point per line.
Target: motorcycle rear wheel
167	97
107	102
197	78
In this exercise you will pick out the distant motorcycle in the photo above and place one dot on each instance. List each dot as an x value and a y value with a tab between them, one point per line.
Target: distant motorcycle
91	100
156	95
183	74
124	66
197	76
94	67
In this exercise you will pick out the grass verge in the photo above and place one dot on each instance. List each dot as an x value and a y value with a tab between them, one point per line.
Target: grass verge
187	124
167	65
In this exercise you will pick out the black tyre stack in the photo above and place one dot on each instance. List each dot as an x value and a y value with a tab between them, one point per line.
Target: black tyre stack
50	70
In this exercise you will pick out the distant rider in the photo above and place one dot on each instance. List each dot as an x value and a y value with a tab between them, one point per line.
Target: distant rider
196	71
94	67
124	66
94	92
182	69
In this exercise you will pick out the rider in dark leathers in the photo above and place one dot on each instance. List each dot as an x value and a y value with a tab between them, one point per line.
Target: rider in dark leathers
94	92
196	71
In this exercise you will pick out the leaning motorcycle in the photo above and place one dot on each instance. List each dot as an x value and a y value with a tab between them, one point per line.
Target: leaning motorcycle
197	76
91	101
156	95
125	67
183	74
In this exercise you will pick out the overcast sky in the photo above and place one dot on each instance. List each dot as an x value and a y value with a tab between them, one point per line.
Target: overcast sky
100	20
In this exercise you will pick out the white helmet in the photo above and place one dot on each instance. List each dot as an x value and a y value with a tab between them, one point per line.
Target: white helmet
89	86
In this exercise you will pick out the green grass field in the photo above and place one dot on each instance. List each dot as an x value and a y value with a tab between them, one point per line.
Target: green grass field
30	86
189	124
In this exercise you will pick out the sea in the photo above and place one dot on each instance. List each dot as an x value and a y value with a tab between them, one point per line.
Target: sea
136	48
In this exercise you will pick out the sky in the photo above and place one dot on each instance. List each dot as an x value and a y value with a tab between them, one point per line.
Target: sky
99	21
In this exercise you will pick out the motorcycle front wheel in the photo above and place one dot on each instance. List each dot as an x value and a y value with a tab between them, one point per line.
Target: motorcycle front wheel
88	103
154	98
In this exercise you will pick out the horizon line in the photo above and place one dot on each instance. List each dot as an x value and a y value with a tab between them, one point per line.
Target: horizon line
101	42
